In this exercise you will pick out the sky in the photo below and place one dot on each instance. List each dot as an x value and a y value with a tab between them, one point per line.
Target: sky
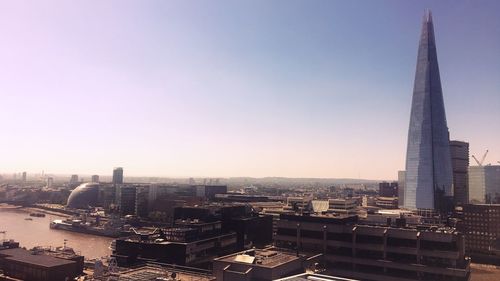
236	88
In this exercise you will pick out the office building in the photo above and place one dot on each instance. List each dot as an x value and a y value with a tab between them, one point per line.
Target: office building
125	199
342	206
481	225
141	201
401	188
118	175
429	176
95	178
194	244
209	191
24	177
460	163
386	202
388	189
234	218
377	253
484	184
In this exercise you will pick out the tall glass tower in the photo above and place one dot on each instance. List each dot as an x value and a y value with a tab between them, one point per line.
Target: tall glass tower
429	175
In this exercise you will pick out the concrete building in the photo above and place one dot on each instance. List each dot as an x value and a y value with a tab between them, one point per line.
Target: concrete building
37	265
344	206
257	265
377	253
386	202
481	224
118	175
50	182
460	163
484	184
429	176
194	244
401	188
298	204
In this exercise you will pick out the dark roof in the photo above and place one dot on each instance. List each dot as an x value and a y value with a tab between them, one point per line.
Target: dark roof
26	256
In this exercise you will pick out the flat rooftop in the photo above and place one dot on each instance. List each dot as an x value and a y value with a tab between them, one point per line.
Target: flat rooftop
260	257
153	273
26	256
316	277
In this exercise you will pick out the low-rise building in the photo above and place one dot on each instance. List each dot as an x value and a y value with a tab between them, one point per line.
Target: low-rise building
257	265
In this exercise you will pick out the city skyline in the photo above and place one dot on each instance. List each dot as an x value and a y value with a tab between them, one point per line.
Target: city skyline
232	89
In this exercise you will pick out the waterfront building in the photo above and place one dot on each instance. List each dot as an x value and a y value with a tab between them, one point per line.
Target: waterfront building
388	189
429	176
118	175
460	163
257	265
377	253
40	264
193	244
484	184
84	196
401	188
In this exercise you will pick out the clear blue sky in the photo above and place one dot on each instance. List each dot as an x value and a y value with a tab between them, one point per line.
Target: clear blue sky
236	88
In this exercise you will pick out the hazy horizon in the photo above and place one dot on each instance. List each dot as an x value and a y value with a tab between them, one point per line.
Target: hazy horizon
181	89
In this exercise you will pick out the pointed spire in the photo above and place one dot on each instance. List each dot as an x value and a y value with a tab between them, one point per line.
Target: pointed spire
428	15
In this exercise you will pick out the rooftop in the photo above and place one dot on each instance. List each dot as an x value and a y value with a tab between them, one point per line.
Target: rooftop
261	257
26	256
316	277
153	273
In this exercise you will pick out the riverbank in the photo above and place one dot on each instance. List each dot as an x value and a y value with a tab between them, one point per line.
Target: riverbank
36	232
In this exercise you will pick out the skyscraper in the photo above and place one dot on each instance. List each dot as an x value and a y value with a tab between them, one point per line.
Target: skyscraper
428	161
118	175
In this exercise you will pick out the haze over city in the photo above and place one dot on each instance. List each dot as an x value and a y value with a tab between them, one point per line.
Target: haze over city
225	89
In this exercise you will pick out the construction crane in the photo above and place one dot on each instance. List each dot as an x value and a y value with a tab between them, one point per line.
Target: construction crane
480	163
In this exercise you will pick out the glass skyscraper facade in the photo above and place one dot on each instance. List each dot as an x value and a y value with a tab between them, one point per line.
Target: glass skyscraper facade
428	161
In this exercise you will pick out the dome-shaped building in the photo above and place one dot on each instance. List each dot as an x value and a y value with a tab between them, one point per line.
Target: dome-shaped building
83	196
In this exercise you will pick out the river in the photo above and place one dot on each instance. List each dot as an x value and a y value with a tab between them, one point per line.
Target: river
36	232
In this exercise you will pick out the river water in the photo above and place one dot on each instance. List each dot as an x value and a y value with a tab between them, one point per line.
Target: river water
36	232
